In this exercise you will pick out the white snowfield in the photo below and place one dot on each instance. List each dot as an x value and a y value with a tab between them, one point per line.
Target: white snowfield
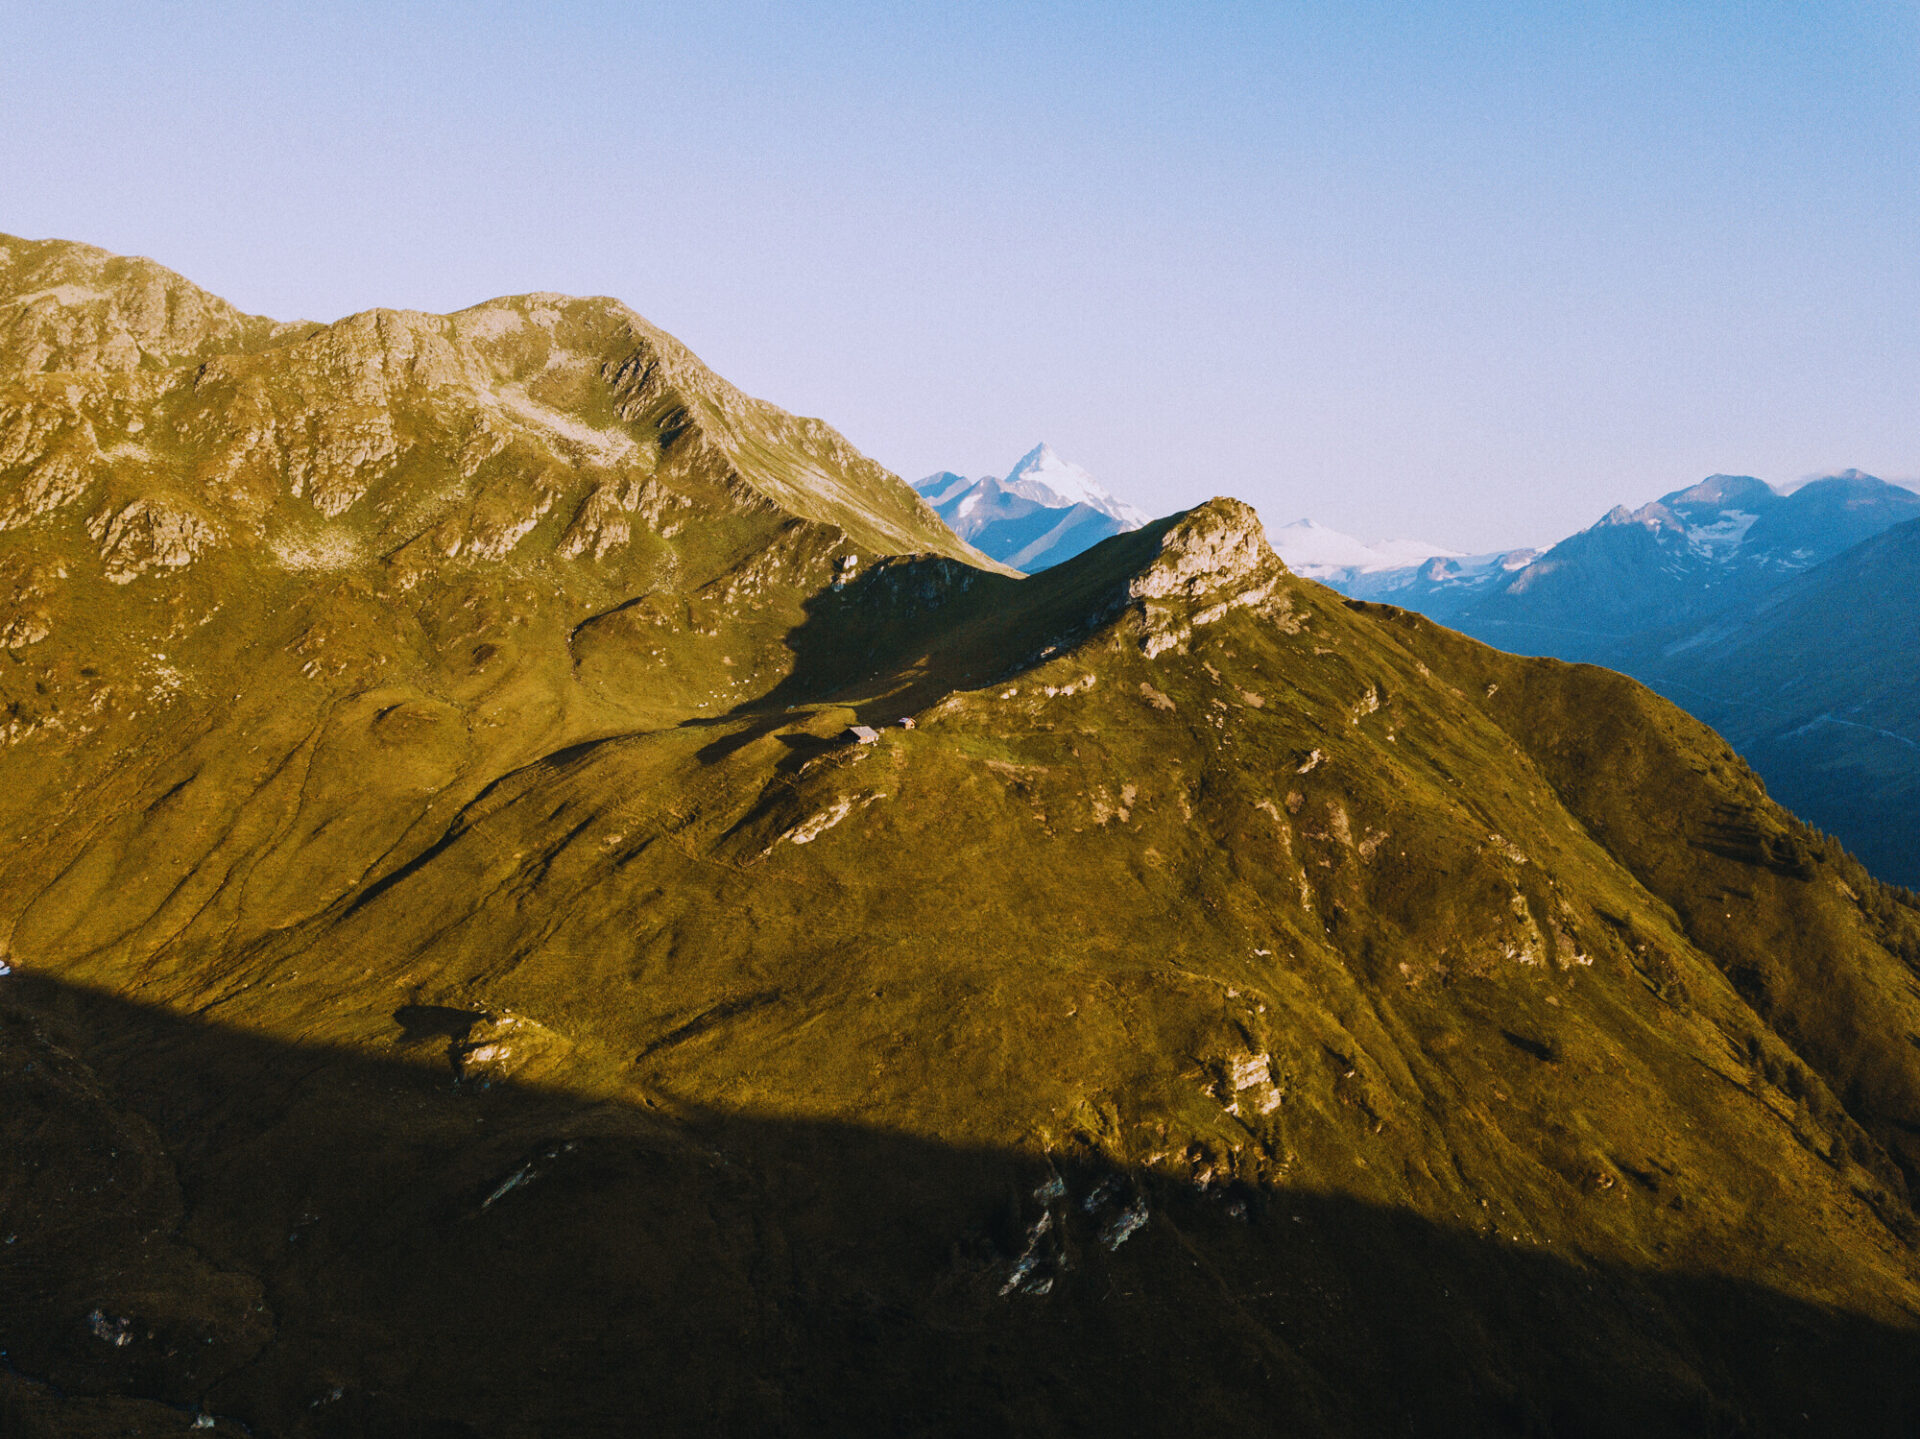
1320	552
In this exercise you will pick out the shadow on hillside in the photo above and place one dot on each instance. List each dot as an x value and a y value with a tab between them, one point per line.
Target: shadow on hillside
940	625
887	618
361	1246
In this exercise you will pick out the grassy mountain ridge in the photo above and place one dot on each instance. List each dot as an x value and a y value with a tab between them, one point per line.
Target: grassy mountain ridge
75	309
545	1014
521	397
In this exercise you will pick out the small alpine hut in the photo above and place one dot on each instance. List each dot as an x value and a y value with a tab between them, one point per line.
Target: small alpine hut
861	734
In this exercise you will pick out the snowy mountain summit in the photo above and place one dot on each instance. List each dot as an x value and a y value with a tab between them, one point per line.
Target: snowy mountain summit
1046	510
1046	479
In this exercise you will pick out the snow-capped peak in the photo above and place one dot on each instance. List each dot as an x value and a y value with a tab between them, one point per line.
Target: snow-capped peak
1045	478
1046	510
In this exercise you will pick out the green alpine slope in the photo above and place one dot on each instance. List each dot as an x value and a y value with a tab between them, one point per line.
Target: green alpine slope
466	982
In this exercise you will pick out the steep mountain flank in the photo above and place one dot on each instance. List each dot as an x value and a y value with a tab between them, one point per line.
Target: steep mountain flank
465	981
1818	683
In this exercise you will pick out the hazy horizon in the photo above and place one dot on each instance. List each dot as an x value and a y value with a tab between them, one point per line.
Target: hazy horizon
1785	487
1466	273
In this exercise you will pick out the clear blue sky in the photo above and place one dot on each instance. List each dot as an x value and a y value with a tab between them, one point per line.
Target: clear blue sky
1467	272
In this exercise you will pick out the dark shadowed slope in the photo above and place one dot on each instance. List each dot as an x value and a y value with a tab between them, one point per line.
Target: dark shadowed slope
422	1257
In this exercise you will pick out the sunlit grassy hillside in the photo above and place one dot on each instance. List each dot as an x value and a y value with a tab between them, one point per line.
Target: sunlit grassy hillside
468	982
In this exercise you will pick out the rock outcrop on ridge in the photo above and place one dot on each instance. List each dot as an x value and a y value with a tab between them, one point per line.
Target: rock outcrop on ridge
461	982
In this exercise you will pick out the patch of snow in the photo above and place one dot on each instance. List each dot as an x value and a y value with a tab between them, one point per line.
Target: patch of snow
1724	533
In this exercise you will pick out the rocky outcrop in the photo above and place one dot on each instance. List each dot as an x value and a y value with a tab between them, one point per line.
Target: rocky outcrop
50	450
1212	560
606	517
148	535
1212	549
74	308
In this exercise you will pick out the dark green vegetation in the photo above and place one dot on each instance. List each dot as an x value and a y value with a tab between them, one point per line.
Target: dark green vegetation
465	985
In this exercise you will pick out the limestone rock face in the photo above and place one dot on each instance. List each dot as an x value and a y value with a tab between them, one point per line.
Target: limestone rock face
607	515
507	1046
148	535
1215	558
1212	550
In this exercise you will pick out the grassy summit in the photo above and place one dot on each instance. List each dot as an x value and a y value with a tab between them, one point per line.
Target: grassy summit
466	985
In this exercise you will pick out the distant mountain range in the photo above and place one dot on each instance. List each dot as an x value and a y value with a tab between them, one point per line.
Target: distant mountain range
1785	619
1688	554
1046	510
